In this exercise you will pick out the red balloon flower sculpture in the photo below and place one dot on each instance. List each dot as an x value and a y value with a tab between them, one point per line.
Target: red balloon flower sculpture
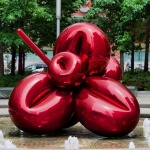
80	85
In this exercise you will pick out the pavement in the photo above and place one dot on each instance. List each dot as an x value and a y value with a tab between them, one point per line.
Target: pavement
86	139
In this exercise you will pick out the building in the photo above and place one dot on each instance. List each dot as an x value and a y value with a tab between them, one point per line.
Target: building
83	9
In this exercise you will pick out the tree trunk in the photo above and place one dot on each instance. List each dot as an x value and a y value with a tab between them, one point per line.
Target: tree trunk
132	49
122	60
23	69
13	62
147	45
1	61
20	65
132	58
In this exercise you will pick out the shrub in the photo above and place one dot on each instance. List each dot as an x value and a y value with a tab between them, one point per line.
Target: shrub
11	81
137	78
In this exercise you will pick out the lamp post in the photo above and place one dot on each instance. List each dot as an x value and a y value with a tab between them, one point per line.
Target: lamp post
58	16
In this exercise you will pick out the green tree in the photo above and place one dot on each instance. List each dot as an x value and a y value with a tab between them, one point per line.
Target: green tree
47	34
136	20
107	15
37	18
19	14
120	20
133	15
2	4
1	61
147	32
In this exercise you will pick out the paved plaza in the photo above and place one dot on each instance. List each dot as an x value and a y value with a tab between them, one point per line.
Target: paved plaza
87	140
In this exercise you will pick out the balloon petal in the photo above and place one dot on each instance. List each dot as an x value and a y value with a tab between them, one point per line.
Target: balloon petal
106	107
35	106
113	70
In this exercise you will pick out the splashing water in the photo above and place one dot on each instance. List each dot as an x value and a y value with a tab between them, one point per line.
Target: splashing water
72	143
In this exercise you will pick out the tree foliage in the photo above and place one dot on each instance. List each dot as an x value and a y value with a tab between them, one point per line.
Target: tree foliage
36	17
122	21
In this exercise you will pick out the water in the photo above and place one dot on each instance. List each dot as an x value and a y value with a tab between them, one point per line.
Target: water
86	139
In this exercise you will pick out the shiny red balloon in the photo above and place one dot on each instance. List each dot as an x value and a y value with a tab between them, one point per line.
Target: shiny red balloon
66	70
88	42
106	107
78	86
37	107
113	70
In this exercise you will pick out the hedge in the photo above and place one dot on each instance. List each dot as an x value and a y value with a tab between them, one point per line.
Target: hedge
139	79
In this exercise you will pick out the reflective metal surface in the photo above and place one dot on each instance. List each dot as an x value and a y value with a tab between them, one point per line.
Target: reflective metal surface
106	107
67	70
28	41
113	69
73	89
36	107
87	41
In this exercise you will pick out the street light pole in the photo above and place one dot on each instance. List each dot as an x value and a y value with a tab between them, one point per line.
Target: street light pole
58	16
